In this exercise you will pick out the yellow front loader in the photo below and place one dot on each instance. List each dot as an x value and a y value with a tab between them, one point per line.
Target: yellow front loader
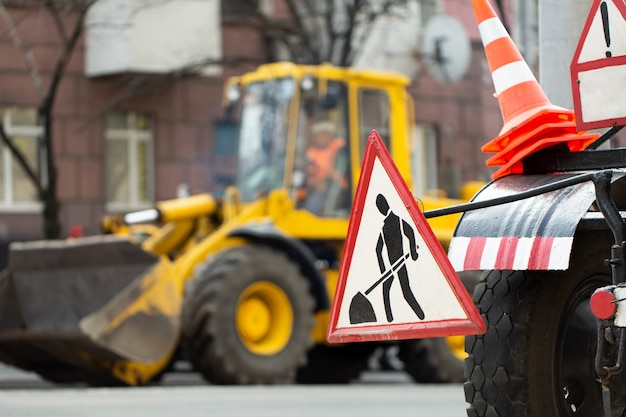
240	285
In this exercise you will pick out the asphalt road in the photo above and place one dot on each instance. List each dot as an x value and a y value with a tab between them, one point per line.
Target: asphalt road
13	379
258	401
183	393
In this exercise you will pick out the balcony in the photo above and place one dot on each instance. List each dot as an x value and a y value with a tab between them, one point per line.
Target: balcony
153	36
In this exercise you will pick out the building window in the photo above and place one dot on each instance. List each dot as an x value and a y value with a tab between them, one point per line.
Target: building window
224	160
129	161
225	138
374	113
17	192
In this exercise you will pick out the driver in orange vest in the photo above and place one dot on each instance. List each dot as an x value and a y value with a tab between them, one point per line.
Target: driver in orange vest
322	170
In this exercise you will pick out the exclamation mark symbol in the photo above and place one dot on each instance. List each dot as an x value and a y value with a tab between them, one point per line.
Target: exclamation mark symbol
604	10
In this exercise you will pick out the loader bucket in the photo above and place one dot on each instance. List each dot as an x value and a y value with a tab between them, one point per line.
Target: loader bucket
98	310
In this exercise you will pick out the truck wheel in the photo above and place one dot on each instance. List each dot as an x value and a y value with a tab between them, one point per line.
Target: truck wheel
247	317
438	360
537	356
335	364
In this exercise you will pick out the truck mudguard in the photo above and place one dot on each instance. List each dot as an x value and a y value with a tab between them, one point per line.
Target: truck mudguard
530	234
268	234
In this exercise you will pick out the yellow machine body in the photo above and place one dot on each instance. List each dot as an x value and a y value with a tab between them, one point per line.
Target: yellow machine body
108	309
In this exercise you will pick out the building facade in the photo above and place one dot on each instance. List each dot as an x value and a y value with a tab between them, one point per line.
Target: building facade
126	135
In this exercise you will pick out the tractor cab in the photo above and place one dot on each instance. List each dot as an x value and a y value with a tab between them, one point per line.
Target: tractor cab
303	129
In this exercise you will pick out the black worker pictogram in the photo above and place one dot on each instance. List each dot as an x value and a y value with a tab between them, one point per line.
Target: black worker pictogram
390	238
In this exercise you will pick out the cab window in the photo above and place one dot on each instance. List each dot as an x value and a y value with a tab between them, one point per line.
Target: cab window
321	176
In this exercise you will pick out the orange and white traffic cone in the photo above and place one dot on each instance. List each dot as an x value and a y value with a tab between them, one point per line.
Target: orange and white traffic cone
531	121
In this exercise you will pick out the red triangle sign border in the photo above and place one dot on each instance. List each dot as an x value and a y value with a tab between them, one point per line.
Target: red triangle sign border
472	324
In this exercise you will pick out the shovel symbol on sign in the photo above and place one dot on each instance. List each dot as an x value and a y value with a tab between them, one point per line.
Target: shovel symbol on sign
361	310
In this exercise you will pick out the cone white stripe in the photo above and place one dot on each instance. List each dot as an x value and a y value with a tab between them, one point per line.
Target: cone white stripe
510	75
492	29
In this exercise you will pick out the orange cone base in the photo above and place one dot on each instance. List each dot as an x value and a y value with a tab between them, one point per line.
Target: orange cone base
548	132
575	143
532	123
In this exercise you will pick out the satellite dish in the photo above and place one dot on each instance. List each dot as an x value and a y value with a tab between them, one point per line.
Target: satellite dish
446	47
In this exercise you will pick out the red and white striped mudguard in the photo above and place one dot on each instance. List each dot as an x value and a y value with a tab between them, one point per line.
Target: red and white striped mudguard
532	234
510	253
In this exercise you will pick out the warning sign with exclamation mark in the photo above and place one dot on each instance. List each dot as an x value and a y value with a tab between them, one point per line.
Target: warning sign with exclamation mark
598	68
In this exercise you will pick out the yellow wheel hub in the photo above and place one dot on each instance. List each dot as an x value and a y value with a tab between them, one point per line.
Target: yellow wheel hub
457	346
264	318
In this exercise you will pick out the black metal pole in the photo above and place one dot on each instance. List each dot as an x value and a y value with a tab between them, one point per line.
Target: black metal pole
578	179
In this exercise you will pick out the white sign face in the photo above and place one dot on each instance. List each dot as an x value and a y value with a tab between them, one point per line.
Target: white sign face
423	279
598	68
396	281
599	101
606	35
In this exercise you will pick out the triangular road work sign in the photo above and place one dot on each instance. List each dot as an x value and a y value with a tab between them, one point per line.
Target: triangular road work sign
598	68
395	281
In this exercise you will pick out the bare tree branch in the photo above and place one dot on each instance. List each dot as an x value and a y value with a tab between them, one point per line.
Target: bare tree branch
28	53
57	20
346	49
46	180
333	35
66	53
365	16
304	34
328	30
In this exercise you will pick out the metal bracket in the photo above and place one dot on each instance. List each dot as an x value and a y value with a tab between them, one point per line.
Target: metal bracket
578	179
606	334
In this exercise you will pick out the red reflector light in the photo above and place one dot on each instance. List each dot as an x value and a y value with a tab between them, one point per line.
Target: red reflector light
603	304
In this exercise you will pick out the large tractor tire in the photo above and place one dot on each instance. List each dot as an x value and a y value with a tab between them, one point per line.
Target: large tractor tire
247	317
431	361
537	356
335	364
